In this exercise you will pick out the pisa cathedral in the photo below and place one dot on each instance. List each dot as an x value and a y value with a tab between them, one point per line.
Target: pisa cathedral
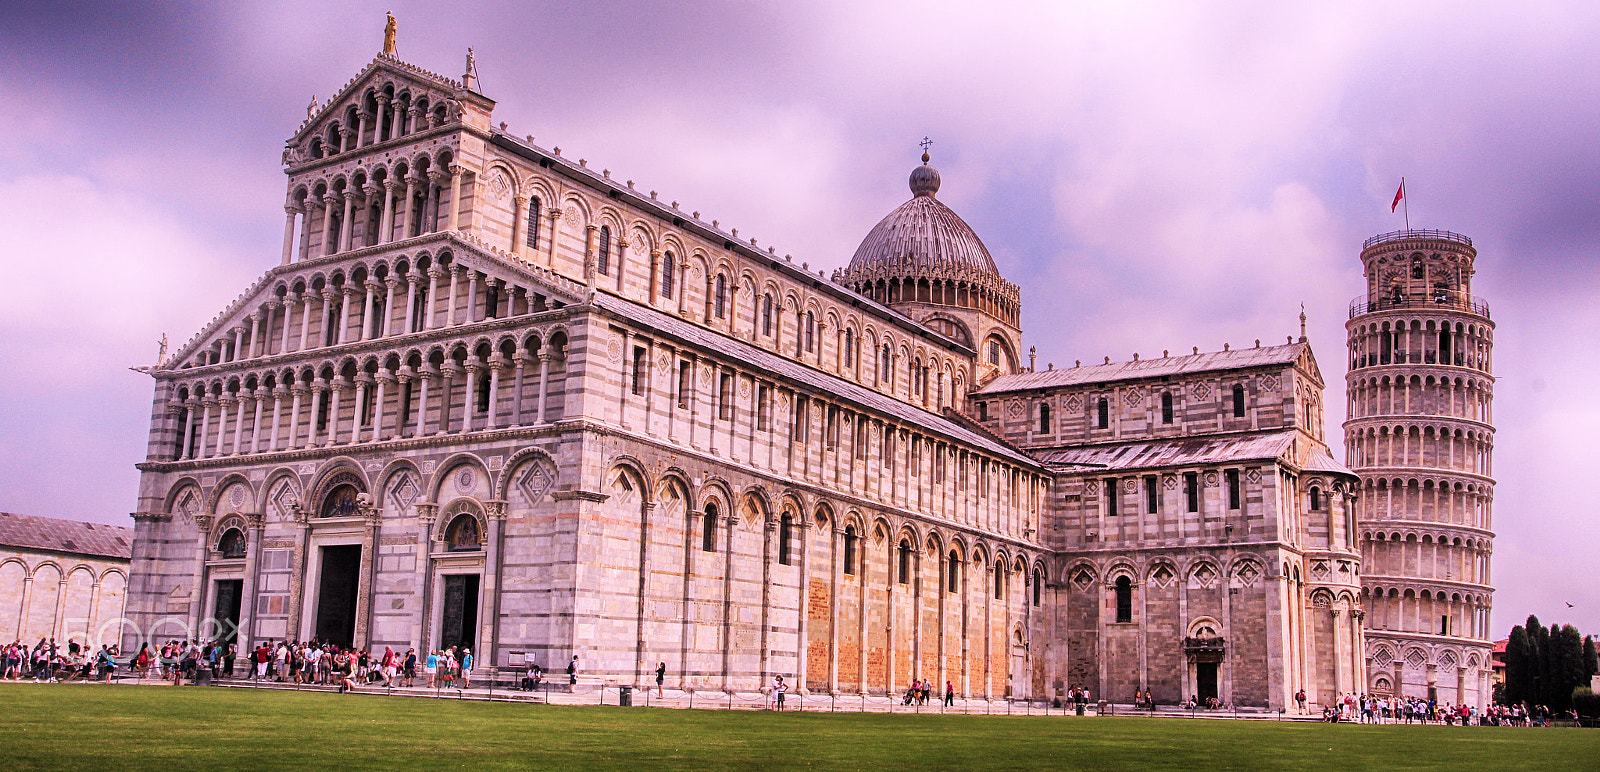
491	397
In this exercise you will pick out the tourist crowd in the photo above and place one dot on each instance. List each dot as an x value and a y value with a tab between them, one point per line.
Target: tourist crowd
48	662
1373	709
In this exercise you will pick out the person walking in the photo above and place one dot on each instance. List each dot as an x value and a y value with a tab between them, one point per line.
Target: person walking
661	679
572	674
431	666
949	694
466	668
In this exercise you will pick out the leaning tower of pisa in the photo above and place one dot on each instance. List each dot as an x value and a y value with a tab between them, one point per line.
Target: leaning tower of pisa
1420	434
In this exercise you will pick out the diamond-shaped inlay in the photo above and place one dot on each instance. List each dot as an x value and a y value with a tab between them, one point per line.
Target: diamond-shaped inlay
1083	579
1247	574
1205	575
187	506
281	499
1162	575
536	480
404	490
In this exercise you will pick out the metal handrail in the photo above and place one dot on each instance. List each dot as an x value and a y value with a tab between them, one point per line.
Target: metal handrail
1448	301
1384	238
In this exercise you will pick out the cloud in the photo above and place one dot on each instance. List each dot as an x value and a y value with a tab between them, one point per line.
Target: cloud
94	275
1155	176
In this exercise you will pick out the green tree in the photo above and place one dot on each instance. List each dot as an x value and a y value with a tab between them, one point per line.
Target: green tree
1591	663
1538	661
1519	674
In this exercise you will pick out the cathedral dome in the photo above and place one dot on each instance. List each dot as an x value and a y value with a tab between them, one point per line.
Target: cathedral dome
924	252
920	235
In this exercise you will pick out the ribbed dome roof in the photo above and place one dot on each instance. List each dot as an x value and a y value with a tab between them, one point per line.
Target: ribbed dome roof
922	235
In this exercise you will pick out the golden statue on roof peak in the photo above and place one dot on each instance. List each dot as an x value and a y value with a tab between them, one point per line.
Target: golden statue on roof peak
388	35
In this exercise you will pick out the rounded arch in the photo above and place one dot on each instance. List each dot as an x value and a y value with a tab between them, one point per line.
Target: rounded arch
341	470
450	469
465	525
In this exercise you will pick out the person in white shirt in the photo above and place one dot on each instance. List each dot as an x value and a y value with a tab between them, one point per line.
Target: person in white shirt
779	688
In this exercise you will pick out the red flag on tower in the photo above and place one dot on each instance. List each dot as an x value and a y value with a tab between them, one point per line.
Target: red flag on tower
1398	195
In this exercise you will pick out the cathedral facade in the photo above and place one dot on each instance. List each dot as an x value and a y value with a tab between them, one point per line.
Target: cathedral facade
490	397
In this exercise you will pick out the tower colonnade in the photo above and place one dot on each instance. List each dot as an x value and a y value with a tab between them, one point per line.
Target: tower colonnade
1420	434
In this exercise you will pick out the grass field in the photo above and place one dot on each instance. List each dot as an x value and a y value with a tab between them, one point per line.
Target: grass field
165	728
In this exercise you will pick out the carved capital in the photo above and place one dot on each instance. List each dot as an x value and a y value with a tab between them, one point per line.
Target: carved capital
427	513
495	509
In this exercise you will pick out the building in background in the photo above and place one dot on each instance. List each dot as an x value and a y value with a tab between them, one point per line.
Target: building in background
1420	433
492	397
62	579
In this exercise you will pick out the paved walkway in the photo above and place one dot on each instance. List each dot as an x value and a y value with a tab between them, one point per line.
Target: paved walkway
611	694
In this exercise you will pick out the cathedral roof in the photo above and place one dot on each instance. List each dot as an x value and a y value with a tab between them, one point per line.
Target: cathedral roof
809	378
923	238
1236	359
1198	451
75	536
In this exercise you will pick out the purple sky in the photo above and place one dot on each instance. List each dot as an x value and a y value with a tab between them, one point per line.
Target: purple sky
1154	176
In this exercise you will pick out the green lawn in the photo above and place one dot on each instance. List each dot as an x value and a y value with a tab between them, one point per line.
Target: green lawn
165	728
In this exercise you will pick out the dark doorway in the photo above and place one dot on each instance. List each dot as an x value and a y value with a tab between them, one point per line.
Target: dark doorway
230	592
336	595
460	610
1205	680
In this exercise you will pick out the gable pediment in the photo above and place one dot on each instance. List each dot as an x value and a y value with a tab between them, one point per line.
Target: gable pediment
354	268
426	98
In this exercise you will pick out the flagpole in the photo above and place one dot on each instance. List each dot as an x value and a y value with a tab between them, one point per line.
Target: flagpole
1406	200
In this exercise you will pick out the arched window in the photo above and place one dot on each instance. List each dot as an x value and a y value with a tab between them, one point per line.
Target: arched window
999	579
1166	407
1044	418
883	363
722	296
811	331
766	314
603	252
1316	499
668	271
533	222
1124	599
850	539
1038	586
341	501
785	537
1238	400
482	401
953	572
994	352
849	348
464	534
708	531
904	561
232	544
1102	411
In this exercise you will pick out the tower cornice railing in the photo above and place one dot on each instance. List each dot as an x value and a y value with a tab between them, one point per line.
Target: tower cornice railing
1408	235
1447	301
